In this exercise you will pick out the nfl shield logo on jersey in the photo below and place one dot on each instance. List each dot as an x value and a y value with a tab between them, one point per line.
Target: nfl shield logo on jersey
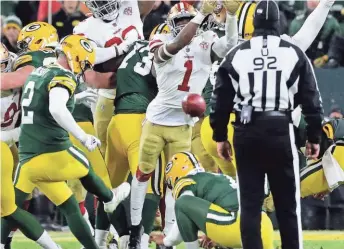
128	11
204	45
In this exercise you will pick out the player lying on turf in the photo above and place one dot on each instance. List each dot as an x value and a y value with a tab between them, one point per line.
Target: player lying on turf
327	172
47	157
205	202
9	136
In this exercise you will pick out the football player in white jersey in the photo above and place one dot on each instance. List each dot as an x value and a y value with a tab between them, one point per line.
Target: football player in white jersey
182	63
114	27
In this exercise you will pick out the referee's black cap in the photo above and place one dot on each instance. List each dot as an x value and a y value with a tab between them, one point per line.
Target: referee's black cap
266	15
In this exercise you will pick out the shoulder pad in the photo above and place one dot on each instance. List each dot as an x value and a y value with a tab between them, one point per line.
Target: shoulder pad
22	60
181	184
158	40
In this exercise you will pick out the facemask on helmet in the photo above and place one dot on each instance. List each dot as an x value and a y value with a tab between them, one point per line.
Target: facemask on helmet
105	10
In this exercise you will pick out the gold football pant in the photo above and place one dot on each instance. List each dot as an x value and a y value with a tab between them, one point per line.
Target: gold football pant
122	154
50	171
197	148
194	214
209	144
313	180
8	205
156	139
102	117
96	160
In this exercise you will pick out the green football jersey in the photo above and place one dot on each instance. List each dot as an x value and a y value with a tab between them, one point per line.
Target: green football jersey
40	133
36	59
81	112
136	86
215	188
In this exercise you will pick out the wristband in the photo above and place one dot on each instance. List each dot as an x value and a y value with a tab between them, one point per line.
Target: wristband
198	19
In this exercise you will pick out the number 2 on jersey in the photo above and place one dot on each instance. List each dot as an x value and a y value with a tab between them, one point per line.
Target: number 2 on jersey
185	84
27	116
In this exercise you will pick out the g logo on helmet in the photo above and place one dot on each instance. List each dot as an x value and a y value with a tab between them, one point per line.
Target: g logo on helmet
86	45
33	27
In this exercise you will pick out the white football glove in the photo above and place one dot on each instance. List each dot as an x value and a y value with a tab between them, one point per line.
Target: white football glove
87	97
10	137
90	142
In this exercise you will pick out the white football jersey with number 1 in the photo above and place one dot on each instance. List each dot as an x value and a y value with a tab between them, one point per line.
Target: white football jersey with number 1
186	72
113	33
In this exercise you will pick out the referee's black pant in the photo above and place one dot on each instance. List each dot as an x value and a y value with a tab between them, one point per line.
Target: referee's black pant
267	146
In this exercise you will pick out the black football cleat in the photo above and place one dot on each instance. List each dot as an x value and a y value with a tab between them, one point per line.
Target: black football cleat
135	237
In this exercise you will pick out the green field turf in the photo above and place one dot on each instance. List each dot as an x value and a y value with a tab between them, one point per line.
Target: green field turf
313	240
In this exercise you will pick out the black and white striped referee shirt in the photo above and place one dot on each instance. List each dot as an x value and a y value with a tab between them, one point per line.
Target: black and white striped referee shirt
267	73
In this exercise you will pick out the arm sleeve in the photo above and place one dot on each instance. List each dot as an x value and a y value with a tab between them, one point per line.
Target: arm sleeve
221	102
129	36
225	43
313	24
310	100
10	137
23	61
58	97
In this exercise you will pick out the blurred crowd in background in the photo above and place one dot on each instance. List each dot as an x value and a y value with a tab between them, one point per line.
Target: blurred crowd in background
326	52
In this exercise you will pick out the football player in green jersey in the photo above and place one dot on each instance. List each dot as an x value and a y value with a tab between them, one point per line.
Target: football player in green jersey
136	88
10	134
47	157
36	42
205	202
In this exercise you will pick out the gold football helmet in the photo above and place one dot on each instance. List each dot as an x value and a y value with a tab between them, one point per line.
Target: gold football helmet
245	15
180	11
79	52
36	36
159	29
5	58
245	19
180	165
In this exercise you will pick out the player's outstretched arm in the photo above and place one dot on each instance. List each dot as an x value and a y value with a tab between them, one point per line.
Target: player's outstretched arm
167	50
221	47
58	97
100	80
15	79
312	26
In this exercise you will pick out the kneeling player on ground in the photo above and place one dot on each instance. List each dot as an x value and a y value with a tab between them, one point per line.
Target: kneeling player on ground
47	157
205	202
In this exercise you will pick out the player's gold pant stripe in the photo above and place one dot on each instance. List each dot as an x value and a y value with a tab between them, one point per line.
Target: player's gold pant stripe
218	215
17	173
78	155
157	177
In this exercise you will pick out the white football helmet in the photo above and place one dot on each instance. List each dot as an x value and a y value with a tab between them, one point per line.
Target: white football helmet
105	10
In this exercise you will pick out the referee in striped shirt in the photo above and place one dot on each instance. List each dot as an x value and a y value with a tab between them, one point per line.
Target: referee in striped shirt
262	80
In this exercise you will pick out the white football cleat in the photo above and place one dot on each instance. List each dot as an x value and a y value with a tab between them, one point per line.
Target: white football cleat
119	194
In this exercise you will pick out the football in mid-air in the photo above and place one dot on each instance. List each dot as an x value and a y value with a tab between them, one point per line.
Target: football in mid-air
194	105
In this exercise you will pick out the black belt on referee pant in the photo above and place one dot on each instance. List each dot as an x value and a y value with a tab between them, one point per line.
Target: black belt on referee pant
263	114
